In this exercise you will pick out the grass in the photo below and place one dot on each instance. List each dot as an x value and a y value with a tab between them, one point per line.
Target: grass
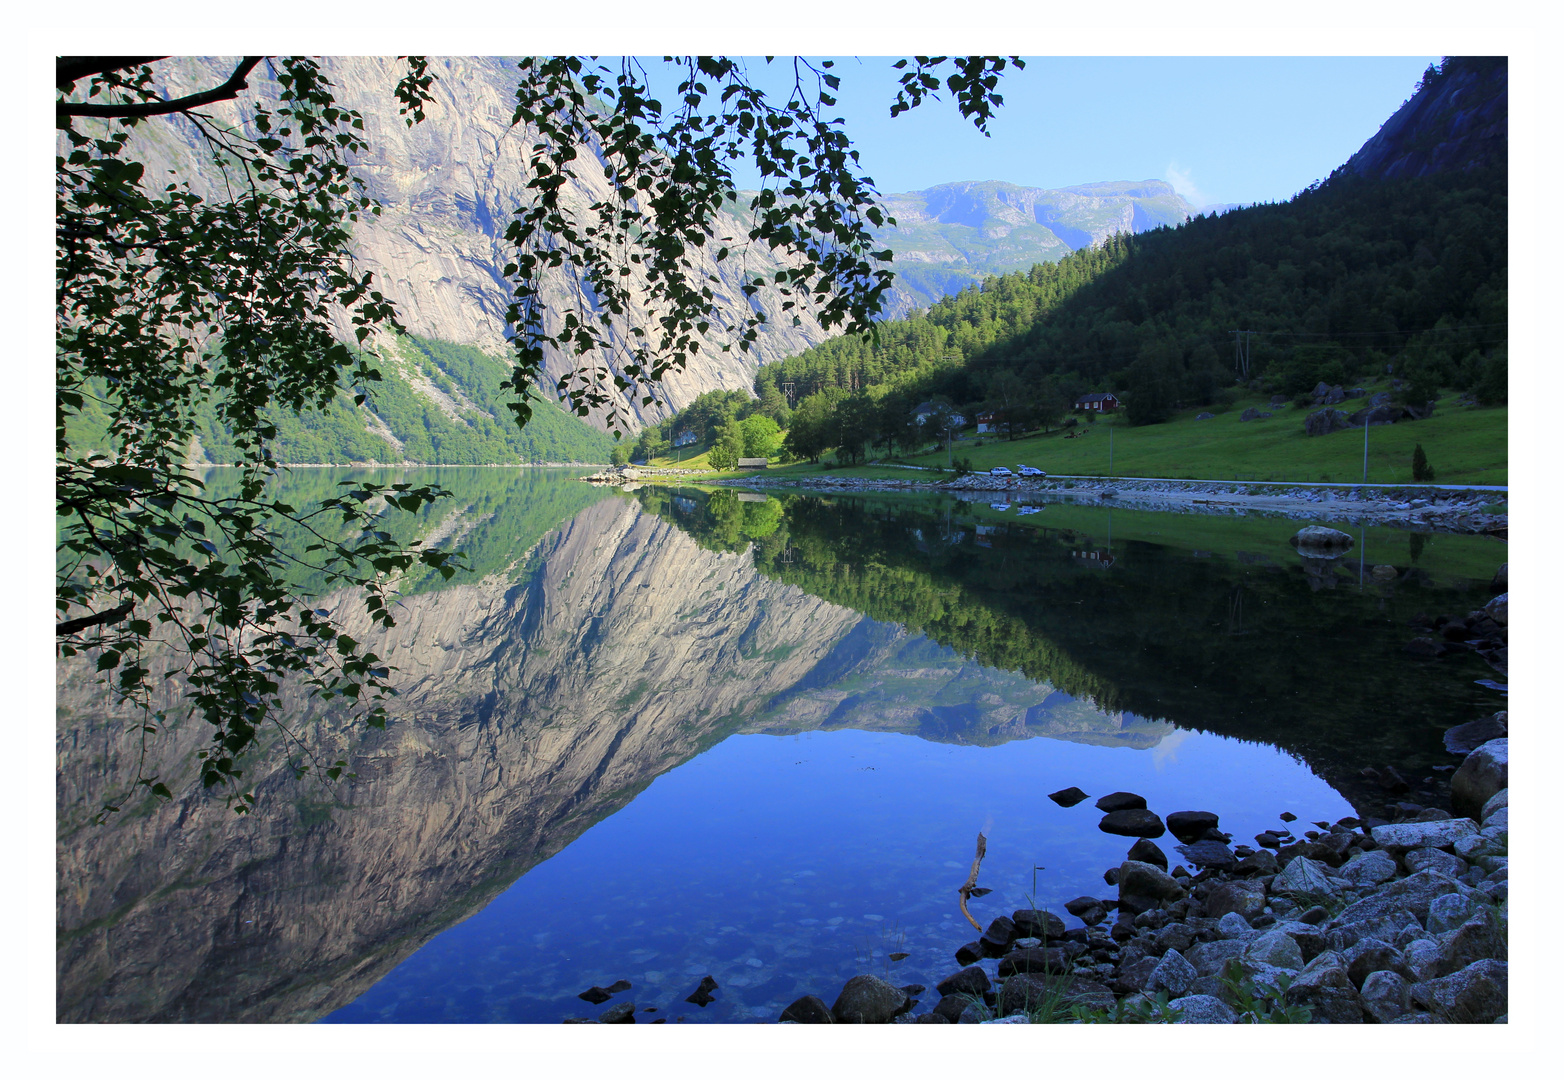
1464	444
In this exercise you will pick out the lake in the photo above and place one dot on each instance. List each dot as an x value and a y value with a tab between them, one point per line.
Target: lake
663	734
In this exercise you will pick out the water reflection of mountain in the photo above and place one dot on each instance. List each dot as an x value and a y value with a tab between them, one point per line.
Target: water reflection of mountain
532	705
1251	645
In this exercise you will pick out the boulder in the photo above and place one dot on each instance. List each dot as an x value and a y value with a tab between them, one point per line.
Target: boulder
1248	414
1034	922
1211	853
1484	773
1464	738
1373	954
997	938
1049	961
1500	801
1501	579
1482	937
702	994
866	999
1399	839
1477	994
1274	949
1068	797
1178	936
959	1010
1385	996
1210	957
1245	897
1133	975
1319	538
1023	992
1205	416
1145	851
1191	825
1203	1009
1088	992
1258	862
1498	609
1325	422
1374	415
970	953
1234	925
1173	973
1143	887
623	1013
1433	859
1369	868
807	1010
1450	911
1132	823
969	980
1412	894
595	995
1018	1018
1088	909
1304	877
1121	800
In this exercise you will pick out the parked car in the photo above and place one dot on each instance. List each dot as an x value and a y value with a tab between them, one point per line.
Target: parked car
1028	470
1000	470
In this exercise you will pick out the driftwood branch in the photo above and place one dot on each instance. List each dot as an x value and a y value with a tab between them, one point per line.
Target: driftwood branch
966	890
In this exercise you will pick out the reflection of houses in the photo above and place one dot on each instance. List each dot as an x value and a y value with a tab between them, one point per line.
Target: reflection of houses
986	534
684	504
1097	403
1099	558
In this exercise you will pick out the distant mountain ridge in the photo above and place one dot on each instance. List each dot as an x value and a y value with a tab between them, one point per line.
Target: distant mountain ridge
951	236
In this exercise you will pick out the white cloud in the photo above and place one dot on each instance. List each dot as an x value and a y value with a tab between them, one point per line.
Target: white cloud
1183	183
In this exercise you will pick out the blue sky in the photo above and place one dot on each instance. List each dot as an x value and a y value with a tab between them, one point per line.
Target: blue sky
1220	129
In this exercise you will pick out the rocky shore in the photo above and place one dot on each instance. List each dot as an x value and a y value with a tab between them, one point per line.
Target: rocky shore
1357	921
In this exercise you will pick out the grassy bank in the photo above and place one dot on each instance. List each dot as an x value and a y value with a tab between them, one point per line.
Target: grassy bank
1464	445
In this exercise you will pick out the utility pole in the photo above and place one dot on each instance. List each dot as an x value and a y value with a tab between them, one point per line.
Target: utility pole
1365	450
1242	345
1110	450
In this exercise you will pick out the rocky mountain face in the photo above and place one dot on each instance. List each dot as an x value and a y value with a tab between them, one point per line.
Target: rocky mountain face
450	186
1457	120
530	708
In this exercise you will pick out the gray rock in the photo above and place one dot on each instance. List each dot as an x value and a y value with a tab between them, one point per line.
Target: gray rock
1419	859
1325	422
1234	925
1121	800
1203	1009
1373	954
1416	1018
1018	1018
1484	773
1423	958
1412	894
1088	992
1478	994
929	1018
1275	949
1325	990
1088	909
1304	877
1143	886
1034	962
1034	922
1498	819
1480	938
1191	825
1464	738
1132	823
1450	911
1209	957
1500	801
866	999
1133	975
1397	839
1209	853
1385	996
1319	538
1249	414
807	1010
1022	993
1490	842
1173	973
1145	851
622	1013
969	980
1369	868
1247	898
1205	416
1501	579
1498	609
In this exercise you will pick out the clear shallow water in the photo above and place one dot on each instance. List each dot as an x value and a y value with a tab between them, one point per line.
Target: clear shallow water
680	734
785	865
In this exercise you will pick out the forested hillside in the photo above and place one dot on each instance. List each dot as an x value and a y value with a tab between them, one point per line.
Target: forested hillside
438	404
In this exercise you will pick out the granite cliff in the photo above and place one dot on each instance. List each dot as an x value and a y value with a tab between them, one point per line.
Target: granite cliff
1458	119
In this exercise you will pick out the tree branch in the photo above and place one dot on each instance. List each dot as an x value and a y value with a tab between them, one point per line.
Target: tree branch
112	615
68	70
226	92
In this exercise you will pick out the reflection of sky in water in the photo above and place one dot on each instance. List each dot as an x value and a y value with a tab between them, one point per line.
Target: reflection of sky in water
783	866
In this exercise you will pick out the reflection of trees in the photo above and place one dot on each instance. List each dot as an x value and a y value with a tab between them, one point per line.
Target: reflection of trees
1243	647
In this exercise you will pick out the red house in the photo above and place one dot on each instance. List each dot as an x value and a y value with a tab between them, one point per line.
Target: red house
1097	403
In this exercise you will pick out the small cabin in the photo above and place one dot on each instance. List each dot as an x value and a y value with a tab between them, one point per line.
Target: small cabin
1097	403
753	462
987	423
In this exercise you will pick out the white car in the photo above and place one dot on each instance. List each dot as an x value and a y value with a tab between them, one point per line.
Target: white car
1027	470
1000	470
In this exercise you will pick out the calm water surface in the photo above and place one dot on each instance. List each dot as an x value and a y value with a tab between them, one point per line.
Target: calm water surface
662	735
